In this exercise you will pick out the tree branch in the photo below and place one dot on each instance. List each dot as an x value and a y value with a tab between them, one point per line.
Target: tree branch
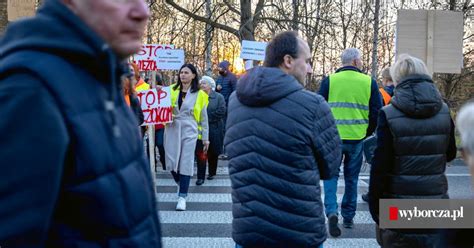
203	19
231	8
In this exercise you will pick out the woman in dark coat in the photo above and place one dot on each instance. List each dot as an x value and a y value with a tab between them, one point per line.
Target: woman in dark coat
415	139
216	113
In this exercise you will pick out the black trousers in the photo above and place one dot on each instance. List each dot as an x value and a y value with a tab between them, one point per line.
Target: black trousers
202	160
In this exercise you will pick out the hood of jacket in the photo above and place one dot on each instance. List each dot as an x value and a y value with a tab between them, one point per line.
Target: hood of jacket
263	86
417	97
57	30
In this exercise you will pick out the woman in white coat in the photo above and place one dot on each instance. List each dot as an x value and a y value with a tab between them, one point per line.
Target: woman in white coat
189	121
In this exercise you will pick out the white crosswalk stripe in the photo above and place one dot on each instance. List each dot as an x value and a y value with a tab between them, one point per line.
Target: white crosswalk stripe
207	221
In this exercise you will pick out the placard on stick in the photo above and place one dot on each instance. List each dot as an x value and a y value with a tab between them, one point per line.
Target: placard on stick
170	59
253	50
146	57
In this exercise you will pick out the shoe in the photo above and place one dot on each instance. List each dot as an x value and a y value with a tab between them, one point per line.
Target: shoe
199	181
348	223
333	227
181	206
365	197
223	157
210	177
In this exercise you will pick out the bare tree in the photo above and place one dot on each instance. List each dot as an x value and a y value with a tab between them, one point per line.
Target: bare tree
375	43
208	34
248	20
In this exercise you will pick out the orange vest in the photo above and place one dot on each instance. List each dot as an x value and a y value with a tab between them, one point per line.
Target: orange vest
385	95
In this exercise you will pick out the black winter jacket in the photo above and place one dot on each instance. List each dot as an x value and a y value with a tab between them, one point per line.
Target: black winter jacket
73	168
281	140
415	140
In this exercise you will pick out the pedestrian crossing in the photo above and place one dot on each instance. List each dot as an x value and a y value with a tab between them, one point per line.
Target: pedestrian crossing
207	221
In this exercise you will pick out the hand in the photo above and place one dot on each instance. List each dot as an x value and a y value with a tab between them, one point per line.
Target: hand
206	144
158	87
219	87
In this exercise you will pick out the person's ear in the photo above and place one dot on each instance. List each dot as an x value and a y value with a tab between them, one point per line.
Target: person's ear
287	61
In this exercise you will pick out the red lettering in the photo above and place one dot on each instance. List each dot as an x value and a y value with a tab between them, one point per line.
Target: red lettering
150	50
140	96
147	65
150	98
161	95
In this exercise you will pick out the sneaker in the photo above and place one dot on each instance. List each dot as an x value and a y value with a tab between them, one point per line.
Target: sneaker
223	157
348	223
333	226
210	177
199	182
181	206
365	197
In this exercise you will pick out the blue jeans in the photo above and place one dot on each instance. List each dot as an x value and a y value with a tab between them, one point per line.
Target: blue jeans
352	162
183	182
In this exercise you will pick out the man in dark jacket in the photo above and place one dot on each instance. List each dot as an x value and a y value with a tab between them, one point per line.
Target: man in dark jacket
281	140
73	170
226	81
354	99
415	139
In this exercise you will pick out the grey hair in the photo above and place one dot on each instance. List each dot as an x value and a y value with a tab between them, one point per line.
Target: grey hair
349	55
407	65
209	81
465	124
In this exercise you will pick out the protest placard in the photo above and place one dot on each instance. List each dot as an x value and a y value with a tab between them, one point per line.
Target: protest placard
170	59
253	50
20	8
146	57
434	36
156	106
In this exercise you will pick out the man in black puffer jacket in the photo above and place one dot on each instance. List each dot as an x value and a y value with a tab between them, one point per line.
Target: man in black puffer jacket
415	140
73	171
281	140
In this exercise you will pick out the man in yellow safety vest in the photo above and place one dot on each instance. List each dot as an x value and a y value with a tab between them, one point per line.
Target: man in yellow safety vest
354	99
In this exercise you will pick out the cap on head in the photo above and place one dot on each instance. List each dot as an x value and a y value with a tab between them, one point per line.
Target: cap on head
224	64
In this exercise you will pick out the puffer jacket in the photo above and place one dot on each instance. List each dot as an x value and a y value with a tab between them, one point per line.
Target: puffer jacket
281	140
415	140
420	124
74	173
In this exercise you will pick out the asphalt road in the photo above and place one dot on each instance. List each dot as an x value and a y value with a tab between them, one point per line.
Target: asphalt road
207	221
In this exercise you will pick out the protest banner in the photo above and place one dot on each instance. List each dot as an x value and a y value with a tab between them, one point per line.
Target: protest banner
156	106
146	57
20	8
253	50
170	59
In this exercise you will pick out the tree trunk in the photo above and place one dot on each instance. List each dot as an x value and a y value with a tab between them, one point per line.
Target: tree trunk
3	16
376	36
208	65
247	29
294	25
452	5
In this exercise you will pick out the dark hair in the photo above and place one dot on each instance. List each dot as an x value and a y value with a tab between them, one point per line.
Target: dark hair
194	83
159	80
284	43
